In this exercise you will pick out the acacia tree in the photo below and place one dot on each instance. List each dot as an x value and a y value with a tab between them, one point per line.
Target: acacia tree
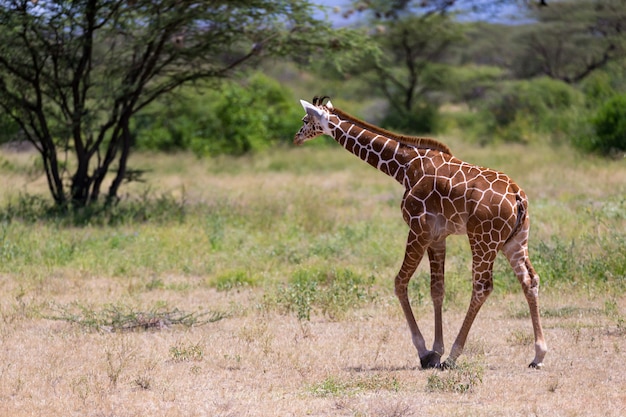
571	39
414	38
412	47
74	72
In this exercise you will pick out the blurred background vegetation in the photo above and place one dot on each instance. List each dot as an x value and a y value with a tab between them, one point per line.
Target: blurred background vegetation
226	80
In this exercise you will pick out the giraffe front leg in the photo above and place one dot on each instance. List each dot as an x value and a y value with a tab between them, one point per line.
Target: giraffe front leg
412	257
437	257
482	270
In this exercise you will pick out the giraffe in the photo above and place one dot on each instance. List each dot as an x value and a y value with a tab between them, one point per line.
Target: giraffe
443	196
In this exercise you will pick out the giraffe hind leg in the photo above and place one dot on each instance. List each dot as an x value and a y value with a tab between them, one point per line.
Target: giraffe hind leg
482	286
516	252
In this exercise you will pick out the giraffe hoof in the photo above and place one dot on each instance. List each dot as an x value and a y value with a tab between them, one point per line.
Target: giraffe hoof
431	360
447	365
535	365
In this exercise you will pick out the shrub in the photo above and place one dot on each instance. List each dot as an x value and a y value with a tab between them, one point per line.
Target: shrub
236	119
610	126
9	129
519	110
332	292
422	119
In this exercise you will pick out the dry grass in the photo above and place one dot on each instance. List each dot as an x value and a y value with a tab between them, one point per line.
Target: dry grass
258	363
259	359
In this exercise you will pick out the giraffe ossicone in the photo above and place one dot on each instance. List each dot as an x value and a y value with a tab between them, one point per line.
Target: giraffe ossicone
443	196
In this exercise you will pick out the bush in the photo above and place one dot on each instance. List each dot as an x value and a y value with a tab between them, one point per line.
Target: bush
610	126
9	129
519	110
332	292
236	119
423	119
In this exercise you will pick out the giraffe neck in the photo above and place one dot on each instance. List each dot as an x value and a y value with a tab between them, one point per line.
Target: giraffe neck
383	153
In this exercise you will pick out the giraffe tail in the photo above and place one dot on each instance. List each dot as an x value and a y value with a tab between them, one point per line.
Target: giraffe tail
521	216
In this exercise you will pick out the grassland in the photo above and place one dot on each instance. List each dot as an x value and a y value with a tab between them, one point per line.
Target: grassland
262	286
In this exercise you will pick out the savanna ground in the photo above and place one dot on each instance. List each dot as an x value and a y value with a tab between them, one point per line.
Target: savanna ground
263	286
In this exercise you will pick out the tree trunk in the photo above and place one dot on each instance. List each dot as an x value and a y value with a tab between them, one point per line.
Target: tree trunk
123	161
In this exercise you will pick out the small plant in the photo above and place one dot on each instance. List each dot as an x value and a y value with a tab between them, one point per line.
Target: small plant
143	381
187	352
553	385
115	318
117	358
332	386
329	387
232	280
331	292
520	338
461	379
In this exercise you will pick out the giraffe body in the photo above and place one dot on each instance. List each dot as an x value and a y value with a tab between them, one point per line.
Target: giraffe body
443	196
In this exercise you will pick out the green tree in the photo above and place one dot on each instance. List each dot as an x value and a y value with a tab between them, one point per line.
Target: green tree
415	39
572	39
74	73
239	117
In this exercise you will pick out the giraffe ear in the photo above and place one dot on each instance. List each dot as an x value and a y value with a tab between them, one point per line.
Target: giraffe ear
329	105
311	110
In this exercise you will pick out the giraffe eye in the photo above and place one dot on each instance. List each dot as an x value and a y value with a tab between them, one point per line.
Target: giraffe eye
305	119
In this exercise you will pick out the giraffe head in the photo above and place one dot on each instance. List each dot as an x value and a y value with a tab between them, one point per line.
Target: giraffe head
315	121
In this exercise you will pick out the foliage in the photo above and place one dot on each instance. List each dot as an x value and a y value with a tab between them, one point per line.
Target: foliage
9	129
571	39
591	257
423	118
233	279
119	318
330	291
236	118
411	45
518	111
461	379
144	208
610	126
471	83
73	74
408	67
332	386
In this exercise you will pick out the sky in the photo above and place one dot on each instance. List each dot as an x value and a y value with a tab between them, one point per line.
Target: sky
511	14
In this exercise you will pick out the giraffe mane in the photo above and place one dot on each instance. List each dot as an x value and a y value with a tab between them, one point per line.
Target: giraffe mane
416	141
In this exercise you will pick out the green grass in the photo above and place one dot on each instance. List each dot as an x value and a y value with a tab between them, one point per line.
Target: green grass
292	254
461	379
264	220
332	386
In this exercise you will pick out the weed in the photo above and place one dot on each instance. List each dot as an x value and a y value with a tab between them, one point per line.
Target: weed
233	279
419	288
160	209
155	284
553	384
214	230
331	292
329	387
114	318
332	386
461	379
143	381
81	386
117	358
187	352
520	338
